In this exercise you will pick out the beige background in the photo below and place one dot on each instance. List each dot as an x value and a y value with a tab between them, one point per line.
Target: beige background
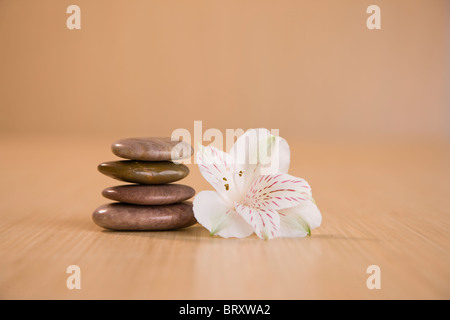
309	68
366	114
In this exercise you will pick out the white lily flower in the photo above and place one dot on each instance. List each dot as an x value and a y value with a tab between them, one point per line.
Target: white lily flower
254	192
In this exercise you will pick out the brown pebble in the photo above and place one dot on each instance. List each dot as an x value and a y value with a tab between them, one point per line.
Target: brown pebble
144	172
152	149
131	217
149	194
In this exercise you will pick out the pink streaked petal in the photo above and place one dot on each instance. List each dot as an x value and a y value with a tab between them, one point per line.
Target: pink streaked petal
277	192
215	167
266	223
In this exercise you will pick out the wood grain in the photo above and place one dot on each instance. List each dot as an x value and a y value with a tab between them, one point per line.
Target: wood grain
384	203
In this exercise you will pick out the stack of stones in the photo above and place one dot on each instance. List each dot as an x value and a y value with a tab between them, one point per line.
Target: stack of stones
153	202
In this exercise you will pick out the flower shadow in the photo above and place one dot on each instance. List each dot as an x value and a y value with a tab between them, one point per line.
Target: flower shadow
192	233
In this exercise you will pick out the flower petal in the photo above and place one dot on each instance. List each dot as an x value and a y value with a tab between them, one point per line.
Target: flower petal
266	223
298	221
258	148
279	157
277	192
217	167
212	212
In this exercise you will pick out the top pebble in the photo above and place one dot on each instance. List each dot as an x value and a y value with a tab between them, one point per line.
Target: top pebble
152	149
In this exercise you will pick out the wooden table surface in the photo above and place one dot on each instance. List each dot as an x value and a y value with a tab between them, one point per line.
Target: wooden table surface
385	204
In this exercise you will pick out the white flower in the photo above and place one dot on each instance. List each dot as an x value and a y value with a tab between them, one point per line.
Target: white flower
254	192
